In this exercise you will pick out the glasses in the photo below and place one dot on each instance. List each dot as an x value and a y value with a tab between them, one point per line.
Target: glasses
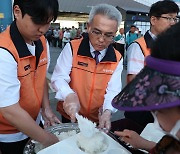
99	34
170	19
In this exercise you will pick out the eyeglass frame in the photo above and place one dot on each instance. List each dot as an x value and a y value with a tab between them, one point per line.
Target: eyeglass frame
170	19
99	34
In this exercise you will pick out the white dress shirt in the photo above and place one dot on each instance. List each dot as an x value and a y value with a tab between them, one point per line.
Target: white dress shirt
61	77
135	57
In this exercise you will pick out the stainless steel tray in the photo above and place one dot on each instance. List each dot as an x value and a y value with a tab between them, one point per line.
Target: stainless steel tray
64	127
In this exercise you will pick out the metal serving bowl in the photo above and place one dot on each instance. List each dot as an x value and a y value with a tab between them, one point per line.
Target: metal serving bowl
64	127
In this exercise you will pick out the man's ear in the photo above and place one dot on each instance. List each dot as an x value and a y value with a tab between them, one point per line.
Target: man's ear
17	12
153	20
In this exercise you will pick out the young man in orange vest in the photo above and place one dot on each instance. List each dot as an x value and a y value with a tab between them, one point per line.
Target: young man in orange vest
84	81
163	14
23	66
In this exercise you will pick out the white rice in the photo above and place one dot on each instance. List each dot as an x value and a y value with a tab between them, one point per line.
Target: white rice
96	144
64	135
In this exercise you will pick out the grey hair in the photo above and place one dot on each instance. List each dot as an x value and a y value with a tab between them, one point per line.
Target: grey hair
105	9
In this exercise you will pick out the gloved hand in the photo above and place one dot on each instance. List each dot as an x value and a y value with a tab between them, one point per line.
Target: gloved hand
105	120
49	117
71	106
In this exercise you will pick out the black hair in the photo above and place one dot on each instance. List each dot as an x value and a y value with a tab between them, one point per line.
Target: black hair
163	7
41	11
133	26
167	45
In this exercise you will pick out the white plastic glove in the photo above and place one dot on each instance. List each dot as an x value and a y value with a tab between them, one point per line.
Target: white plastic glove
105	120
71	106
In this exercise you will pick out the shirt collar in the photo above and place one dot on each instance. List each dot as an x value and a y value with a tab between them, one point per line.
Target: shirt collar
102	52
86	50
152	35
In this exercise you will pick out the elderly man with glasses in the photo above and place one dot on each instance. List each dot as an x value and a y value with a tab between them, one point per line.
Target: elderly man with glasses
88	71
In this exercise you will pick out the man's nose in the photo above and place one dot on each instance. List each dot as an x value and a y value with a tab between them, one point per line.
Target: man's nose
102	38
44	28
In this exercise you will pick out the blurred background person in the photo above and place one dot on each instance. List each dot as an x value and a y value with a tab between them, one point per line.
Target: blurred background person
56	36
73	33
61	33
66	36
78	34
120	41
131	35
49	35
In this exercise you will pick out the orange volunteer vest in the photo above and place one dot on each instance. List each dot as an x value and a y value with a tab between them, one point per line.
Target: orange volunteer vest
31	73
145	43
89	80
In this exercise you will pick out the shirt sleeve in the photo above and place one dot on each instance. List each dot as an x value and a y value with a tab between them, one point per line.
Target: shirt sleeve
113	88
48	55
9	83
135	59
60	77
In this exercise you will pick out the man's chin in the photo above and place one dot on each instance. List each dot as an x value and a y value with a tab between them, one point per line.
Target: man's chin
36	38
99	48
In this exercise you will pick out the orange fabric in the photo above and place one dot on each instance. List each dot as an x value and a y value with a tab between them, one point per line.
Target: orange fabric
142	43
61	34
89	81
32	80
146	52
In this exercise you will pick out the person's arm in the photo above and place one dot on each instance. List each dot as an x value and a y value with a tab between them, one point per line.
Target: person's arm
113	88
47	113
20	119
9	106
135	140
61	75
135	61
60	82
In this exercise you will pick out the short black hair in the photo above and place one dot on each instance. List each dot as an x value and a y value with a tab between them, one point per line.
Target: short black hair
163	7
41	11
167	45
133	26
